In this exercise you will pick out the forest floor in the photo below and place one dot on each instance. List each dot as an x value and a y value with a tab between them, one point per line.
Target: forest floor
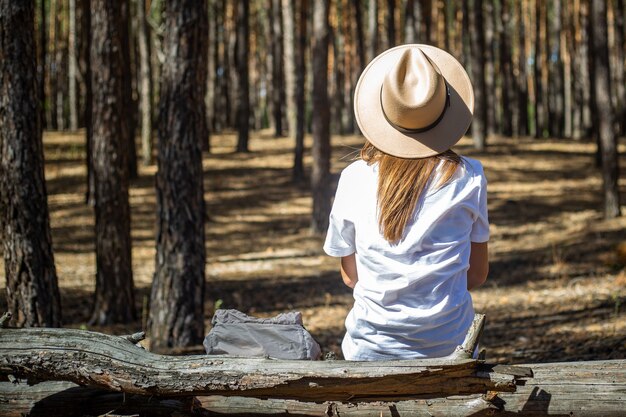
556	289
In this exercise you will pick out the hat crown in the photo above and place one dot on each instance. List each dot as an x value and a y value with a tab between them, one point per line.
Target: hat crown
413	93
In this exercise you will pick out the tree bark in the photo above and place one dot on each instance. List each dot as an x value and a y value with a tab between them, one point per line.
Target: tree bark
372	28
278	85
289	36
114	363
230	17
410	28
60	65
145	82
289	60
50	76
72	70
300	91
585	389
605	116
177	299
212	64
31	280
520	125
506	75
477	46
129	105
243	83
114	301
359	36
223	79
537	71
619	52
85	21
390	26
338	72
489	93
41	65
567	50
320	177
556	70
582	88
427	6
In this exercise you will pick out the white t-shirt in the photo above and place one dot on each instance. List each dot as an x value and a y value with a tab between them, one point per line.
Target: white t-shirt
411	299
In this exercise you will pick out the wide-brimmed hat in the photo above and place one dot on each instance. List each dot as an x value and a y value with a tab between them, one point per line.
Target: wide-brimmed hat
414	101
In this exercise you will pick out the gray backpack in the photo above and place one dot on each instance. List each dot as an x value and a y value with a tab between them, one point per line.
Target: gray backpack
281	337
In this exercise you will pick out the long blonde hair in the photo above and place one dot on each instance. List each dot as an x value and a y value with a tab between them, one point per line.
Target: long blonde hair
401	182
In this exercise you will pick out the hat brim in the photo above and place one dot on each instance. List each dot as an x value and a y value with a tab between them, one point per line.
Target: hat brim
441	137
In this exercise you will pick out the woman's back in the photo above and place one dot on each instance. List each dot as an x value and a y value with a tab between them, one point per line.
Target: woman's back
411	298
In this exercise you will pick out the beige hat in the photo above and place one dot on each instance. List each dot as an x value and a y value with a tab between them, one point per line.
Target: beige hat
414	101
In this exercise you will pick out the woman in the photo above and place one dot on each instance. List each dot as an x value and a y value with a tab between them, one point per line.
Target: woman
409	220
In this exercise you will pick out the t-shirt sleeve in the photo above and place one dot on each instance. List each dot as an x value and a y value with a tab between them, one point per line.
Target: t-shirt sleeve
480	228
340	236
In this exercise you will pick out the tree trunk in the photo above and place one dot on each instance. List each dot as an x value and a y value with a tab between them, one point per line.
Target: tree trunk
243	84
300	92
339	73
85	21
583	389
350	72
278	86
489	93
72	68
537	75
288	7
60	66
567	50
230	25
427	26
320	178
372	28
507	107
258	99
391	23
478	75
114	363
223	80
31	281
145	82
544	67
582	87
50	71
212	64
605	116
289	32
619	51
114	301
41	65
154	16
359	36
129	105
556	67
520	120
177	299
410	20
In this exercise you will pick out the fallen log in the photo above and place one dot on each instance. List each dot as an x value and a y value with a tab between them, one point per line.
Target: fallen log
116	364
581	389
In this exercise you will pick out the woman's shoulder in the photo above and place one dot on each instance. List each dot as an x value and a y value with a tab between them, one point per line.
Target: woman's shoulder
472	165
472	168
357	171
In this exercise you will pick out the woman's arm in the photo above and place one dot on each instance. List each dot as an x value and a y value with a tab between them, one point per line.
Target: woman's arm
348	270
479	265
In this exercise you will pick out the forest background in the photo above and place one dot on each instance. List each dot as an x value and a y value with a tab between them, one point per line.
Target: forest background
162	159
